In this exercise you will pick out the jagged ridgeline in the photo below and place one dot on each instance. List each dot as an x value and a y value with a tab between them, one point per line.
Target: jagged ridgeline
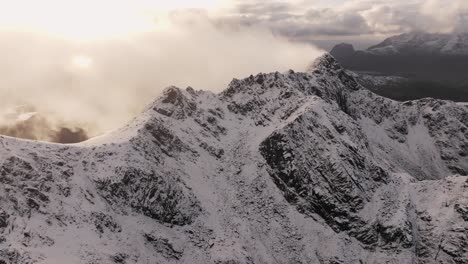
295	167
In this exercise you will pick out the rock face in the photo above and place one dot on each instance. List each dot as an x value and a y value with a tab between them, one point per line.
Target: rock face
292	167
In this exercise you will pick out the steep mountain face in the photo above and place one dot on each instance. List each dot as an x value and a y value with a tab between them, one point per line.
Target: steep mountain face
278	168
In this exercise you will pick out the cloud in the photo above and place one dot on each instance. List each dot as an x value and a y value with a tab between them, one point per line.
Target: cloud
453	15
98	86
24	122
308	20
264	7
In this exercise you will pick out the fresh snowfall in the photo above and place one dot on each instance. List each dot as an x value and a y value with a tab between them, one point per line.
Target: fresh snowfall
279	168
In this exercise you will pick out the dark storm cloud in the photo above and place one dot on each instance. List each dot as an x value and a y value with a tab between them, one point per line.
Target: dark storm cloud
266	7
330	22
297	24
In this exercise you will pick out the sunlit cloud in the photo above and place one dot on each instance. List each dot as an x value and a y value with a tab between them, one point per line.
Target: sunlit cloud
87	20
82	61
100	78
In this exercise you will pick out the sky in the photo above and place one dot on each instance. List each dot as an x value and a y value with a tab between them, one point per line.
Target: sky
319	22
94	64
360	22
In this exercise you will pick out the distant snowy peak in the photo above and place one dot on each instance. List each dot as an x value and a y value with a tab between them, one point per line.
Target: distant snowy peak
423	43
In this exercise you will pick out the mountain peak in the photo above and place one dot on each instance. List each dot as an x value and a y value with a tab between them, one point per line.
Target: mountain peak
175	102
342	50
326	63
326	66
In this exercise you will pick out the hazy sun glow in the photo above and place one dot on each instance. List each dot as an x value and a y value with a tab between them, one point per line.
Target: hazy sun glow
85	20
82	61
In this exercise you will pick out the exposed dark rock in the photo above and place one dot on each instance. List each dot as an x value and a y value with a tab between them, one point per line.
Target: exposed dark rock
104	222
175	104
462	209
165	139
3	219
120	258
164	247
152	194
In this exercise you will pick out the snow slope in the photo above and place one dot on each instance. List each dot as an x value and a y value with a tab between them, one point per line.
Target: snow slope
278	168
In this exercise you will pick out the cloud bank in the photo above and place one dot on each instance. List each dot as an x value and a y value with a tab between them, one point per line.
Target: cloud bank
98	86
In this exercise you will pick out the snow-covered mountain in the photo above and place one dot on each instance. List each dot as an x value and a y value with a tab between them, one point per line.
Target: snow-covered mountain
296	167
423	43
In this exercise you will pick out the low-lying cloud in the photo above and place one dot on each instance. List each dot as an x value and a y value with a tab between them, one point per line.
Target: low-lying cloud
24	122
89	88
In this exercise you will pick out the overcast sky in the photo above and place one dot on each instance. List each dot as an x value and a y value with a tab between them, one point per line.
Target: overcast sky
362	22
322	22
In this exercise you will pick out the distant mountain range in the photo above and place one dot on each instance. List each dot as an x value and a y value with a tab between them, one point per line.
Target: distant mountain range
414	43
434	65
423	43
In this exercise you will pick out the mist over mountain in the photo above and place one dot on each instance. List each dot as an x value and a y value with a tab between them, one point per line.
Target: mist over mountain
99	85
25	122
434	65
